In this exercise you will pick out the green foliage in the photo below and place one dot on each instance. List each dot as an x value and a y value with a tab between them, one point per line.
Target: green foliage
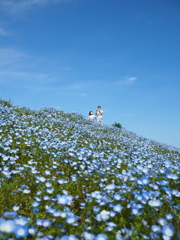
118	125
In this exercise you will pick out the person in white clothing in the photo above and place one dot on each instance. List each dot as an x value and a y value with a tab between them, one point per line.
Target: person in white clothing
91	116
99	114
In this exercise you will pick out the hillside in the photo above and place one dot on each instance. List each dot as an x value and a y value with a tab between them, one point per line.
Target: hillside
66	178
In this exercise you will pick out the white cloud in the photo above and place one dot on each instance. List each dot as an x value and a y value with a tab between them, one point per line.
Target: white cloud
10	56
3	32
131	79
16	6
83	94
20	69
125	81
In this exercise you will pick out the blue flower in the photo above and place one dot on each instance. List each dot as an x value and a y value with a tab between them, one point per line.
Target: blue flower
9	214
32	230
69	237
162	221
156	228
103	216
135	211
88	236
15	208
145	180
39	222
96	209
155	203
110	226
35	204
21	231
71	219
117	208
169	216
101	237
7	226
46	223
64	199
110	186
168	230
117	197
21	221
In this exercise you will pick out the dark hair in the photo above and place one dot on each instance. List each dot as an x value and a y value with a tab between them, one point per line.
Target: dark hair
99	106
90	112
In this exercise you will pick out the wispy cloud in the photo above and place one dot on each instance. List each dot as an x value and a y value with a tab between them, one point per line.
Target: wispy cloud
3	32
125	81
16	6
10	56
18	69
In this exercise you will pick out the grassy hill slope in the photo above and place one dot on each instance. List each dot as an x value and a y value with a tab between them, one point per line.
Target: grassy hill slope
66	178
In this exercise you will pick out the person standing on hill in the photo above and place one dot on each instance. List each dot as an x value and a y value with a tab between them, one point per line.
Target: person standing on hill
99	114
91	116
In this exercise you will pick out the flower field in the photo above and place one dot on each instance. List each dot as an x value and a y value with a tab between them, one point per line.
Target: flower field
64	177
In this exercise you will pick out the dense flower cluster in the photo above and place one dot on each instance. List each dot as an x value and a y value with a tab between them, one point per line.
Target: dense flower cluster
64	177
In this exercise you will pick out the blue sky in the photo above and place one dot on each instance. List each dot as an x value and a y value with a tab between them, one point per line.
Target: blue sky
77	54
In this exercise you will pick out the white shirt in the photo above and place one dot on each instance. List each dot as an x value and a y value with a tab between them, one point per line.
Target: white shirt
91	117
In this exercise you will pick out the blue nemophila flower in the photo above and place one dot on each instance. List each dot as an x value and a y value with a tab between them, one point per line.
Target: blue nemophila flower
96	194
145	180
168	230
119	236
69	237
163	183
46	223
32	230
7	226
172	176
146	195
135	211
169	216
35	204
96	209
110	226
21	220
39	222
9	215
47	172
82	205
101	236
155	203
48	184
175	193
110	186
61	181
35	210
117	208
15	208
156	228
103	216
162	170
117	196
162	221
50	190
71	219
46	197
37	198
64	199
21	231
40	179
88	236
